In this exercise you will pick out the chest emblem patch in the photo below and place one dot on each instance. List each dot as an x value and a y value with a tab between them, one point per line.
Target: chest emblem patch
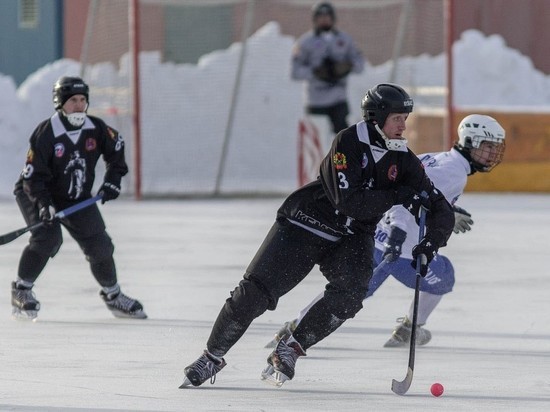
364	161
59	150
339	161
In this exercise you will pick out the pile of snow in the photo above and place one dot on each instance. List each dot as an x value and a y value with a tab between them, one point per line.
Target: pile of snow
185	108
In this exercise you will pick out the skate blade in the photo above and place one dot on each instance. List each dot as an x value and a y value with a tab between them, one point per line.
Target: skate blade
136	315
273	377
394	343
186	383
24	315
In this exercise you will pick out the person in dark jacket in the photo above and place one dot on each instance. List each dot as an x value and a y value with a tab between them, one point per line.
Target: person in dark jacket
331	222
59	173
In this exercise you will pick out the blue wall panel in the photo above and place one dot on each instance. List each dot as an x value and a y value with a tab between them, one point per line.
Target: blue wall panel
24	50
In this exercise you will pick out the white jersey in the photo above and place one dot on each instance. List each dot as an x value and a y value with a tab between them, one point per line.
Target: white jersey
449	173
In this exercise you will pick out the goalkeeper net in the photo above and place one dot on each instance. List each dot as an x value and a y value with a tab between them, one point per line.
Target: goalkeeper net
201	90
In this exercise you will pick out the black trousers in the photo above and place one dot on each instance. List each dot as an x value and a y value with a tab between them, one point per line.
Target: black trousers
337	114
284	259
85	226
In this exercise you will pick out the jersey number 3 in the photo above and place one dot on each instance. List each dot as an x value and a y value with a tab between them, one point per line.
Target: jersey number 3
343	182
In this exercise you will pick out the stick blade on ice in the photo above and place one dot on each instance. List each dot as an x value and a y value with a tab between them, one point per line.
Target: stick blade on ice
401	387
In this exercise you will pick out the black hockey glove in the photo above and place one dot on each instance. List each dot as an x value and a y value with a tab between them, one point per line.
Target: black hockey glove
411	200
46	211
348	225
109	191
393	244
463	220
428	248
325	71
342	69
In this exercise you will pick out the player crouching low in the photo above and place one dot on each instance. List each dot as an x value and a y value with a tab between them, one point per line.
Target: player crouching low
331	223
479	148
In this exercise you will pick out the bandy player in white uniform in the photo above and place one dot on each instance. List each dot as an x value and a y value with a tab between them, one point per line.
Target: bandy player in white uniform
480	147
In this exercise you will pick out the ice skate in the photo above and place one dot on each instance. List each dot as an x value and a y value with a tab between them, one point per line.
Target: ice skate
123	306
285	331
204	368
24	303
401	335
282	361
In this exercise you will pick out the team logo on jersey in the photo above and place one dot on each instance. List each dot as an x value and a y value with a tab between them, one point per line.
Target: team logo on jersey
59	150
27	171
364	161
30	156
76	169
339	160
90	144
119	143
392	173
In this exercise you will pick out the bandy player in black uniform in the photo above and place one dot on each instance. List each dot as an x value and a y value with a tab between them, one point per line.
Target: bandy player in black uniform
60	172
331	222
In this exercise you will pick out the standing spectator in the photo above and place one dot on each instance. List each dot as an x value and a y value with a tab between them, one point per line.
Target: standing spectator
60	172
324	57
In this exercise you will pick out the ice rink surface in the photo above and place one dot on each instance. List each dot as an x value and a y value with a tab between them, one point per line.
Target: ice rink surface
491	336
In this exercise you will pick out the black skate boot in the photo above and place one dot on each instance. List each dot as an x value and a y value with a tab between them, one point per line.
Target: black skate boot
123	306
286	330
24	303
401	335
282	361
203	369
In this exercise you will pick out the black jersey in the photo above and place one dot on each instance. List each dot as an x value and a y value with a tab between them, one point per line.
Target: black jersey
61	161
357	183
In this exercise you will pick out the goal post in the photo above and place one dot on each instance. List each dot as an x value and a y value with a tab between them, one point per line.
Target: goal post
201	89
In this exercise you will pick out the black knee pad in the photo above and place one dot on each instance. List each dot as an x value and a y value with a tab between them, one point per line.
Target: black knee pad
46	241
248	301
345	304
97	248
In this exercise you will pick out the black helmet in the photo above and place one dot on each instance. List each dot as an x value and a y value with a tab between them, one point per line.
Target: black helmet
323	8
66	87
384	99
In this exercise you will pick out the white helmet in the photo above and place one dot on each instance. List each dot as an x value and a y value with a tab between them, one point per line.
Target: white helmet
475	129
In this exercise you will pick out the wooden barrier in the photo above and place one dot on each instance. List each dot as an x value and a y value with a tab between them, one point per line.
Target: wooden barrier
526	164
